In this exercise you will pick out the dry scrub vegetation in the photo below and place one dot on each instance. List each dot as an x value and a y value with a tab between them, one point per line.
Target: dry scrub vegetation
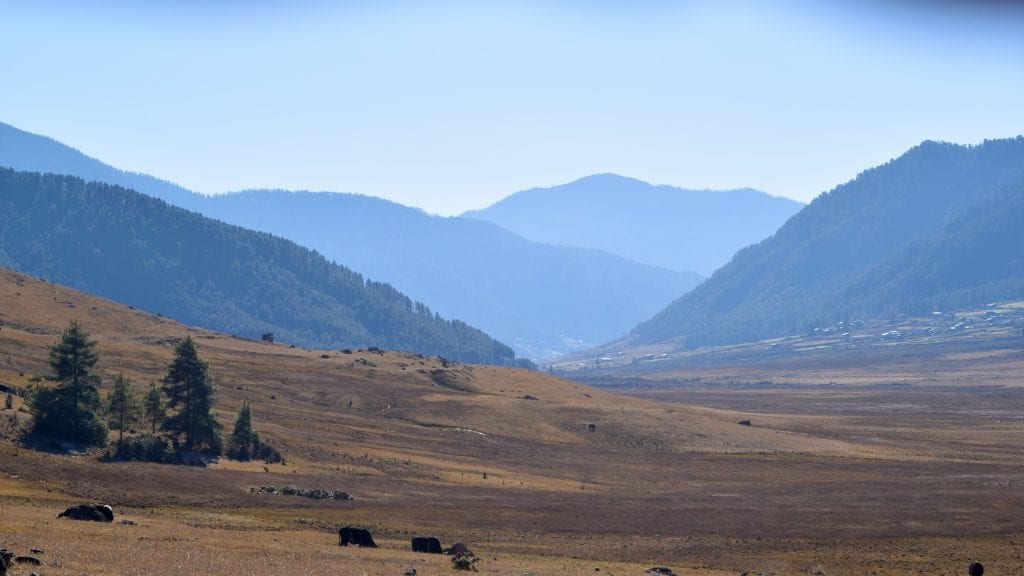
506	461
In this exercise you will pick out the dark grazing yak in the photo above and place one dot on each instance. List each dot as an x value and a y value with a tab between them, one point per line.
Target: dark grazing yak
94	512
427	544
356	537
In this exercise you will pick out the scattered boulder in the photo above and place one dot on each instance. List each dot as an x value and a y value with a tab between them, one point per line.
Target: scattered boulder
745	423
93	512
426	544
975	569
313	493
356	537
27	560
660	570
410	572
35	551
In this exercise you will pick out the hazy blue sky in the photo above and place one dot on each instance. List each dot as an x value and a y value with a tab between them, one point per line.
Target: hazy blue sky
451	105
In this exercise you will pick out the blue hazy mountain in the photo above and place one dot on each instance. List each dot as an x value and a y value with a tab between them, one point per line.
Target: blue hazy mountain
541	299
139	250
940	227
28	152
658	225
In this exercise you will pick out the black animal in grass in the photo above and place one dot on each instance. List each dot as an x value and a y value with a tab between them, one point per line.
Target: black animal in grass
356	537
427	544
459	549
5	560
94	512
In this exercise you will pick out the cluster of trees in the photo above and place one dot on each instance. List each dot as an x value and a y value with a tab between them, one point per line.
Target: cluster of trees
178	413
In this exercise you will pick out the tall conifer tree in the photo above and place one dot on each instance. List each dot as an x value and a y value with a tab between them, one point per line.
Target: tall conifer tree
68	410
191	391
122	407
154	406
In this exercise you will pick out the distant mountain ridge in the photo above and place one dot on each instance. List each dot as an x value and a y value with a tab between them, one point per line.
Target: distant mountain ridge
138	250
662	225
28	152
542	299
538	298
939	227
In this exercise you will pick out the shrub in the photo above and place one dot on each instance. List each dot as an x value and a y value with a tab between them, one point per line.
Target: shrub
147	448
267	453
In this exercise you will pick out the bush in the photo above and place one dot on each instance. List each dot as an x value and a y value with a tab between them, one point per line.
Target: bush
258	451
267	453
56	420
147	448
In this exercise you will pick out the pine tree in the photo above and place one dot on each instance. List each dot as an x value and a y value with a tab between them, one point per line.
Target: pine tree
191	391
71	360
68	410
122	406
155	407
244	440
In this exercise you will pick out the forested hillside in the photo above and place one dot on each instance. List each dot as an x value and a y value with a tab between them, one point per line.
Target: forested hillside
138	250
978	257
659	225
938	227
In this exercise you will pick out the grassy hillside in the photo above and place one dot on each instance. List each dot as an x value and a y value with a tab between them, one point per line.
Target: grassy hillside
659	225
931	228
505	460
136	249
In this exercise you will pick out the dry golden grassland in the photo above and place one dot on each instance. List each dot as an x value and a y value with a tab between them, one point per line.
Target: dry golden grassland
844	481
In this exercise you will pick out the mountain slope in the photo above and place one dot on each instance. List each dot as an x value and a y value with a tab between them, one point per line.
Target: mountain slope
538	298
658	225
135	249
928	228
975	258
541	299
28	152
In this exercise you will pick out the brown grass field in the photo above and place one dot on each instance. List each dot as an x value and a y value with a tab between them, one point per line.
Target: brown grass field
859	477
